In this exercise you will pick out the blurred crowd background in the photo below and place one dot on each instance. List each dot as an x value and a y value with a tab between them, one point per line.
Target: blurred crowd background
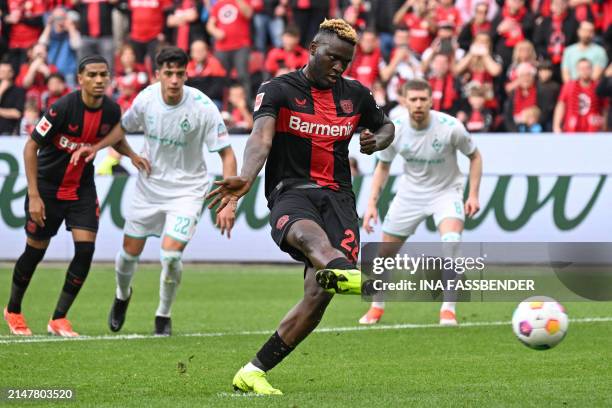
498	65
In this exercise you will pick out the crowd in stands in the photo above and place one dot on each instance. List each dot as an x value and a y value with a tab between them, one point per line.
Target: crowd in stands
497	65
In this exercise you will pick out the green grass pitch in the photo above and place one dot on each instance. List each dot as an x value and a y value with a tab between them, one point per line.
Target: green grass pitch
224	313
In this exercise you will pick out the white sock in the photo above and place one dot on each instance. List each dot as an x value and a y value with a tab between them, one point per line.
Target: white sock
252	367
125	266
448	306
380	305
169	281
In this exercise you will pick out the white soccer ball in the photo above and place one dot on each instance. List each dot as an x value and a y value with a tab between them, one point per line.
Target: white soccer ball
540	322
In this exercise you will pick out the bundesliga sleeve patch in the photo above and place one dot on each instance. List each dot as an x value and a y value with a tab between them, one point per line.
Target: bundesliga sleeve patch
43	126
258	101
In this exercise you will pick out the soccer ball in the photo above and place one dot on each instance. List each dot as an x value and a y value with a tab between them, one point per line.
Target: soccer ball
540	322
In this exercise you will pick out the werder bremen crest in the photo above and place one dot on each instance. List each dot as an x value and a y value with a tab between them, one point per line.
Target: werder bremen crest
437	145
185	125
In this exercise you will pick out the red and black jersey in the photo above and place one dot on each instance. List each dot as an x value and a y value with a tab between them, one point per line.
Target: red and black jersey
96	18
66	126
313	129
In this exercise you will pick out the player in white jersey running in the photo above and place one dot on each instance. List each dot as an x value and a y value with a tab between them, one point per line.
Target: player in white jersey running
178	123
432	183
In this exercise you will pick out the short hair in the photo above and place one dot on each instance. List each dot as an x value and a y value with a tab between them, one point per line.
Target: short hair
171	55
56	75
91	59
417	84
292	30
583	59
340	28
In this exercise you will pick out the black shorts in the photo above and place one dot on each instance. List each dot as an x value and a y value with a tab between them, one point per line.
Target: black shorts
334	211
83	213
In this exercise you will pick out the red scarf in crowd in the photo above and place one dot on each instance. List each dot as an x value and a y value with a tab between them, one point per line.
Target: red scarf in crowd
443	92
515	35
556	42
524	100
481	28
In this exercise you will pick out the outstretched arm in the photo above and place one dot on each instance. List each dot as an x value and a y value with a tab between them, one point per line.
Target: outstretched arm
226	218
255	154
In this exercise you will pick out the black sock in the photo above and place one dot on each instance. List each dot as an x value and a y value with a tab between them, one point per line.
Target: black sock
271	353
340	263
75	277
22	274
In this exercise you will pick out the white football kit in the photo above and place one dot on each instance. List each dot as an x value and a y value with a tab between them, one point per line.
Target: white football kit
171	198
432	183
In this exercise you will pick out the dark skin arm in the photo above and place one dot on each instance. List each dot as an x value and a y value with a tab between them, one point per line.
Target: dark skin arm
379	140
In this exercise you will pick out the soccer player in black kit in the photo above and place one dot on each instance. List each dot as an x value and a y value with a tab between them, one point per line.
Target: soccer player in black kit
60	191
303	124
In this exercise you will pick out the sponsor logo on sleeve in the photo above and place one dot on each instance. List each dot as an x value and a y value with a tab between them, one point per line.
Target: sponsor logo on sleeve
258	101
43	126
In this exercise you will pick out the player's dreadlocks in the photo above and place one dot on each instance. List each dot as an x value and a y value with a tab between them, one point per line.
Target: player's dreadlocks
341	28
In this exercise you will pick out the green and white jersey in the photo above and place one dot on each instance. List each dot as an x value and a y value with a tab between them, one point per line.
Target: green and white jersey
430	155
175	136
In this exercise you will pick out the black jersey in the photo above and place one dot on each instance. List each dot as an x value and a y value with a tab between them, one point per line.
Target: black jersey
313	129
66	126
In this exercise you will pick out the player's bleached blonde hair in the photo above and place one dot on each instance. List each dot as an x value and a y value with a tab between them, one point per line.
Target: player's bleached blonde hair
341	28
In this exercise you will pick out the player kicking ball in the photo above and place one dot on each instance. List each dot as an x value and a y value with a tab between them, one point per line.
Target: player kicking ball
60	192
178	122
432	184
304	121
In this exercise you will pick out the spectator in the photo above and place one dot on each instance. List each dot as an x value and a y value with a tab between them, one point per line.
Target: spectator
62	40
588	10
530	121
585	48
444	91
289	57
205	72
356	15
366	64
381	19
480	66
128	71
183	23
554	33
512	25
307	15
33	74
403	65
229	24
525	95
548	93
12	100
468	10
444	43
604	90
480	23
31	116
447	14
96	28
127	91
56	88
523	53
579	108
269	22
476	117
238	113
147	26
25	18
416	17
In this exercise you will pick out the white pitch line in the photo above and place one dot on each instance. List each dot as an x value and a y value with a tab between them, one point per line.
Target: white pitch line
405	326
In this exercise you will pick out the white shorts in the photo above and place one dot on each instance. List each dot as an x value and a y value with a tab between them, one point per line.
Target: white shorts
176	218
407	211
